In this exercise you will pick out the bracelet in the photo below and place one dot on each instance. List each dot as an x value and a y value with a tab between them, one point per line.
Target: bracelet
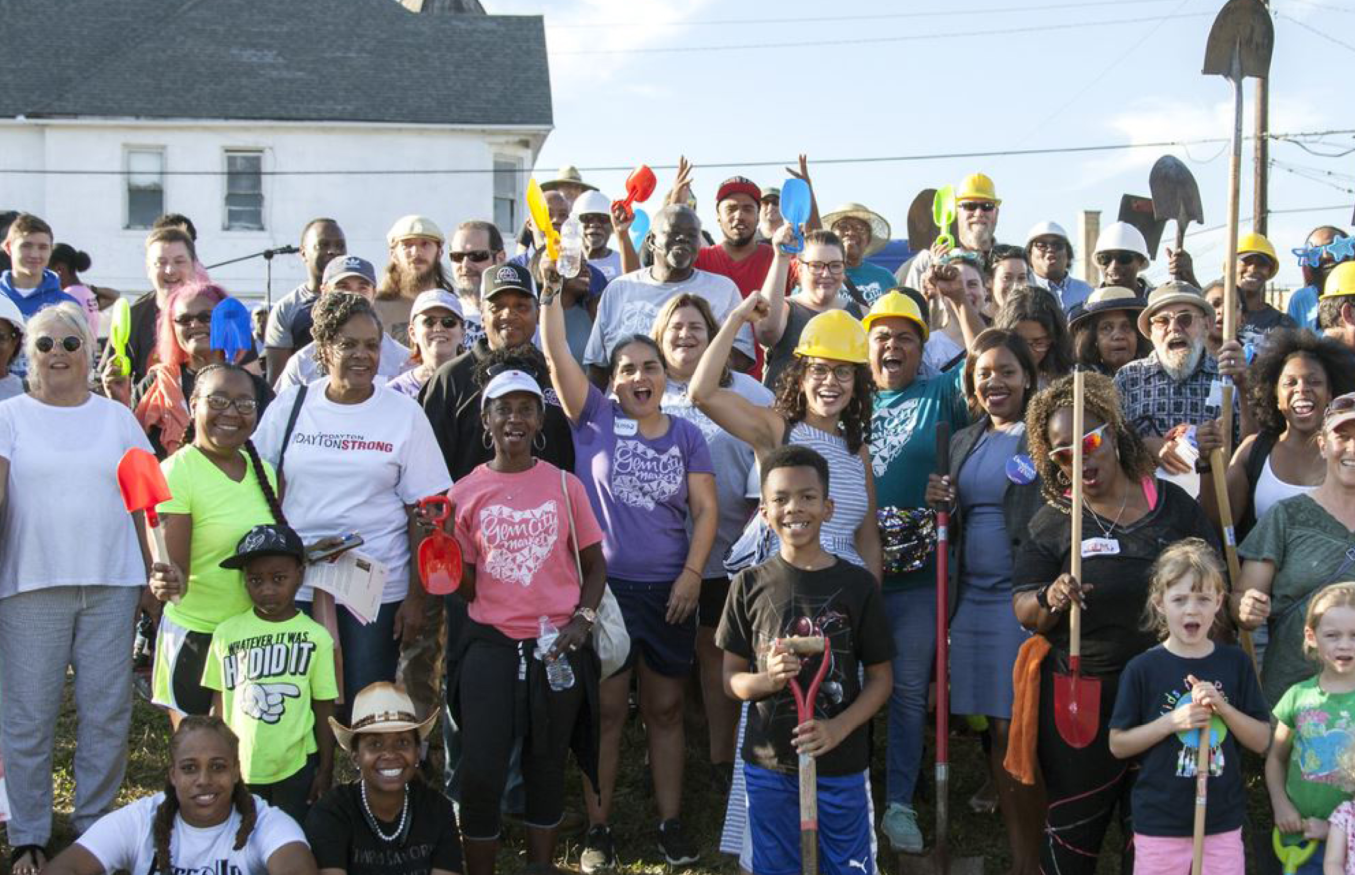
692	570
1042	598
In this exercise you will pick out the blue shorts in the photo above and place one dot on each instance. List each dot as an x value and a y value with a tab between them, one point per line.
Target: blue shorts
846	845
668	648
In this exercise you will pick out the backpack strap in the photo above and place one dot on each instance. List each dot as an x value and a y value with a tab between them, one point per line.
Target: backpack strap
291	424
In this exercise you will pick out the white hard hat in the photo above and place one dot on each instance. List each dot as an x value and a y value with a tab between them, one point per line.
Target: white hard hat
1046	229
1123	237
9	312
591	202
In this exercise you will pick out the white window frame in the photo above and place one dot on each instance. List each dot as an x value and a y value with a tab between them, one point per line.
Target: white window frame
517	204
226	154
127	152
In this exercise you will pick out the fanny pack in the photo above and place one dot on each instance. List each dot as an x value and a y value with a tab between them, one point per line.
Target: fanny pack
907	537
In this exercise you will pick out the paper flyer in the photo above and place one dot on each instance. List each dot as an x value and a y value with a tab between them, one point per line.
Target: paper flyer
355	580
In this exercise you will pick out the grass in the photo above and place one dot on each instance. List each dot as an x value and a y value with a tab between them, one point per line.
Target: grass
633	822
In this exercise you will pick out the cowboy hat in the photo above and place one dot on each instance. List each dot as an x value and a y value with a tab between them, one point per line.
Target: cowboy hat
879	228
382	707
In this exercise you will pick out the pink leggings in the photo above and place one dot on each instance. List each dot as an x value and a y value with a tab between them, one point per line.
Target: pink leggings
1170	855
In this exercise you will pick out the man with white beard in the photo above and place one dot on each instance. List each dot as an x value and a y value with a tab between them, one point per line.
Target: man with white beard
976	210
1179	384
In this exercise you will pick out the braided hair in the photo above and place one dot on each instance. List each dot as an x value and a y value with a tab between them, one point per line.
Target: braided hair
162	827
270	495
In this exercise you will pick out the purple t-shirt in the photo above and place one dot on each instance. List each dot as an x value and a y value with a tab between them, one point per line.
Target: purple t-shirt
638	487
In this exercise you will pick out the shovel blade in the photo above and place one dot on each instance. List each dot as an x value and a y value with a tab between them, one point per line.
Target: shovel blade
141	481
1138	211
922	230
1077	708
795	201
640	184
1176	195
440	564
231	329
1243	34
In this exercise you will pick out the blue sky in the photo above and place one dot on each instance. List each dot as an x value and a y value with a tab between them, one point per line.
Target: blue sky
923	78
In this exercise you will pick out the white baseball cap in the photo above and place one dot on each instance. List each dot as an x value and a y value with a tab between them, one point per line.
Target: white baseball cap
508	382
436	298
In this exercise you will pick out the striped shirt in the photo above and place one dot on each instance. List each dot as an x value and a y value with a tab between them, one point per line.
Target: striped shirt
846	486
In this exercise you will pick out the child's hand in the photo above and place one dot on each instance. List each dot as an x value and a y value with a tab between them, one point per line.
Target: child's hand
1206	694
1315	828
816	737
1193	716
782	665
1287	817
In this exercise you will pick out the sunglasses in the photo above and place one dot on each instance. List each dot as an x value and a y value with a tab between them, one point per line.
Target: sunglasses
1164	322
444	321
1342	249
978	206
841	373
70	344
1091	442
245	406
473	255
1048	245
187	319
1340	404
1123	259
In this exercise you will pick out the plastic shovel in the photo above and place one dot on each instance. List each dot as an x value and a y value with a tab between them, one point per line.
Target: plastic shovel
143	488
943	215
639	186
536	205
232	328
796	203
1077	699
439	554
639	229
119	333
1291	856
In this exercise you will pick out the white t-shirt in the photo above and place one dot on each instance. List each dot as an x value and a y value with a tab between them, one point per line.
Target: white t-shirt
123	840
631	302
302	367
354	468
609	265
65	524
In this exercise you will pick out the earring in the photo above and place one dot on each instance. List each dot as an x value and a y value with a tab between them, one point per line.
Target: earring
487	440
539	442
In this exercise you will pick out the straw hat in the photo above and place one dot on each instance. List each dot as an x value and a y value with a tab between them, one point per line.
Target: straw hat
568	175
1104	300
382	707
879	228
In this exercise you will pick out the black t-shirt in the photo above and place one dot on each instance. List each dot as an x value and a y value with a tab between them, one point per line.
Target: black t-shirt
1112	624
341	839
1153	684
776	600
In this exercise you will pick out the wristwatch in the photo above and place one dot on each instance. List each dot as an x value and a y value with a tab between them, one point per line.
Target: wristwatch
588	614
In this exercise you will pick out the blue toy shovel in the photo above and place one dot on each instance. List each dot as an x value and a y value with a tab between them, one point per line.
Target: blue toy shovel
795	207
232	328
639	228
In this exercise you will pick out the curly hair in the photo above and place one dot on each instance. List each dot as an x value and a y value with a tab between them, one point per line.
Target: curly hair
1263	376
1029	304
853	423
1103	402
332	312
162	829
1085	348
992	338
255	462
167	348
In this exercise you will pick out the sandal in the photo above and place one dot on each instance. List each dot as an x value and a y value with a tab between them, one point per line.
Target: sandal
38	855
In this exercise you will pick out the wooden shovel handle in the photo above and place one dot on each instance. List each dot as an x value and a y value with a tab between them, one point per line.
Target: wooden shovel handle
1220	477
1075	514
1201	795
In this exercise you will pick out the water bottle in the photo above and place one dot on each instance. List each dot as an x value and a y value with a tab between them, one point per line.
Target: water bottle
571	248
559	672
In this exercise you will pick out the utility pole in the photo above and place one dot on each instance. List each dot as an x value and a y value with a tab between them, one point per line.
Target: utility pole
1261	177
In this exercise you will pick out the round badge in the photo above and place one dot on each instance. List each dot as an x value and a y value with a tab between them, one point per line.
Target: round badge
1021	470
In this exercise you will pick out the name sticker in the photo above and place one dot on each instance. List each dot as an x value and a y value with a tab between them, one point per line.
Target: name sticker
1100	547
1021	470
1215	394
624	426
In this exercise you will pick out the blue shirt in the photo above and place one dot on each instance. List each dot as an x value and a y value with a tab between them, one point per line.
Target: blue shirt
48	293
1303	307
870	280
1070	291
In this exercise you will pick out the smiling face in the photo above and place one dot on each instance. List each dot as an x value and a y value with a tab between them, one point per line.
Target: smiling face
638	380
795	505
677	238
29	253
193	325
1338	448
597	231
1177	333
509	319
738	219
1253	272
437	332
1120	267
1001	384
895	349
204	772
855	235
1117	338
1189	610
828	385
353	356
272	582
387	761
1100	466
512	421
1036	337
223	430
821	270
1008	274
59	369
685	338
974	287
1303	393
169	265
1334	640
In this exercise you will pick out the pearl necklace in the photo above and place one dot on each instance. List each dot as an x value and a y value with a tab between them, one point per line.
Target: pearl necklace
404	815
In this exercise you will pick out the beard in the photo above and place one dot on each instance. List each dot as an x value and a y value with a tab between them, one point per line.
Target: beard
978	239
1180	364
409	284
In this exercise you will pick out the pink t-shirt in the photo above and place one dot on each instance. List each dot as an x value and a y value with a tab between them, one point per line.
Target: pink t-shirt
85	296
514	530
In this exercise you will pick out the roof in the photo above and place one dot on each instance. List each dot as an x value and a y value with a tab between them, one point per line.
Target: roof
319	60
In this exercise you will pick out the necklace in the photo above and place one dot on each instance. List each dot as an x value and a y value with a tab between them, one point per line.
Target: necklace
1096	518
371	818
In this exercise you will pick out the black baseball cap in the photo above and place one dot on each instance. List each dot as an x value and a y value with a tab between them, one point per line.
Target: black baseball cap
269	540
506	278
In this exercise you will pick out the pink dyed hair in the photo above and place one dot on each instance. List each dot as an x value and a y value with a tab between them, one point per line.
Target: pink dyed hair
167	349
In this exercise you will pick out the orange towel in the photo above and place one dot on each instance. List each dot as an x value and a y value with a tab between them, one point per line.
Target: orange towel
164	405
1021	761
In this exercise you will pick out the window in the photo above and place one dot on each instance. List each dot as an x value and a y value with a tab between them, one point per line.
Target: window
244	191
507	198
145	186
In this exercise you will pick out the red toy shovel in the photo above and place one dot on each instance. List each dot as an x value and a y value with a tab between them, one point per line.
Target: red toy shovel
639	186
143	487
439	554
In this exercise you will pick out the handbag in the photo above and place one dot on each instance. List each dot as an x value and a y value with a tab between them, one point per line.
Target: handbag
610	638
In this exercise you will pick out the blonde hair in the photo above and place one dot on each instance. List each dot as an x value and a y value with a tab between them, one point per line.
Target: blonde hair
1189	558
57	321
1337	595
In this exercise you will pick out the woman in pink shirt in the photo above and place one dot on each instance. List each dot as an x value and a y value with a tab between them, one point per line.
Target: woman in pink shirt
68	263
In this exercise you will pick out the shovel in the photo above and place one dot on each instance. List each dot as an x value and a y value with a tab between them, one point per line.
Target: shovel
1077	700
796	204
943	214
639	229
1291	856
1137	210
1219	473
1176	196
536	205
143	488
232	329
1204	739
639	186
1240	44
922	230
439	554
119	334
804	647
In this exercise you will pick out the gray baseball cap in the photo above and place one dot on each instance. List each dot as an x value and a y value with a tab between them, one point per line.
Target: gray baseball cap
348	265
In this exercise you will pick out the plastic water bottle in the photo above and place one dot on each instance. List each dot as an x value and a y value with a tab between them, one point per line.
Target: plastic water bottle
559	672
571	248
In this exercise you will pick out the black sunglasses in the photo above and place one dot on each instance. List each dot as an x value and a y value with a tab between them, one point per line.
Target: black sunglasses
186	319
70	344
473	255
445	321
978	206
1123	259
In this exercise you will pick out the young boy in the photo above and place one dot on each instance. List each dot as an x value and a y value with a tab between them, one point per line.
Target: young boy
28	282
273	670
805	591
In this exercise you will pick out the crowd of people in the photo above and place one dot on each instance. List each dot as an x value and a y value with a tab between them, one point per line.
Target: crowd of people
704	457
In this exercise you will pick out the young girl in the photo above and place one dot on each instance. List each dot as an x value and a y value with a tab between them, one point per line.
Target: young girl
1314	724
273	672
1340	854
1168	695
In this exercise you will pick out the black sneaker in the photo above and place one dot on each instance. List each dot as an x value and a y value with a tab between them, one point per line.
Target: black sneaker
677	849
599	851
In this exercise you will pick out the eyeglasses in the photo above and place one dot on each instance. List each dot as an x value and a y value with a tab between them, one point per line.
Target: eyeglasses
1341	249
1047	245
473	255
978	206
444	321
820	372
1040	344
832	267
187	319
70	344
1165	321
244	406
1123	259
1091	442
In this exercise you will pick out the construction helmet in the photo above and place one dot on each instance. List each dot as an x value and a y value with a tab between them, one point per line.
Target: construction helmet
1122	237
1257	244
896	303
1341	280
836	335
1047	229
976	187
591	202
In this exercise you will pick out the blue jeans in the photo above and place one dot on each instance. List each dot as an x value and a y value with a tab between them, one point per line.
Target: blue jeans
912	620
370	653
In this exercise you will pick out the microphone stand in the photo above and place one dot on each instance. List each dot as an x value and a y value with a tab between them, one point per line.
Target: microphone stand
267	255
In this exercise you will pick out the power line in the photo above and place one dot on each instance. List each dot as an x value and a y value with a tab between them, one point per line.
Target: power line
1308	175
1245	219
1326	36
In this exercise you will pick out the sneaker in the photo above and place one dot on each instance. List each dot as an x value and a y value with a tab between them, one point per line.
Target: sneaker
900	827
599	851
676	848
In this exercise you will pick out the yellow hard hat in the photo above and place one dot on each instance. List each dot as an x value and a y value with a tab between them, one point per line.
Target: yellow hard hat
1257	244
976	187
1341	280
896	303
835	335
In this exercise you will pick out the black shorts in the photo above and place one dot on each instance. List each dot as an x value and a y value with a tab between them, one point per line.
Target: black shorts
711	605
668	648
180	657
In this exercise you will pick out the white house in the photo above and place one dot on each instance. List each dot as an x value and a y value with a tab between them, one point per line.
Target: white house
252	118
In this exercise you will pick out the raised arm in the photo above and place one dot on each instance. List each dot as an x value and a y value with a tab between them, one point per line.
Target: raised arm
569	380
945	281
769	331
630	259
759	427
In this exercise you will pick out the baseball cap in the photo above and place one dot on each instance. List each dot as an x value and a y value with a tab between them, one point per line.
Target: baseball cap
436	298
506	277
348	265
738	185
770	192
267	540
510	381
406	227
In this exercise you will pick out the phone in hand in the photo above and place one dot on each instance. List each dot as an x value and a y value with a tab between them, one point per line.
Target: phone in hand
329	551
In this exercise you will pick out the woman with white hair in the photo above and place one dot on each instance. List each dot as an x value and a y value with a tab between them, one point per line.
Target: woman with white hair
72	570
